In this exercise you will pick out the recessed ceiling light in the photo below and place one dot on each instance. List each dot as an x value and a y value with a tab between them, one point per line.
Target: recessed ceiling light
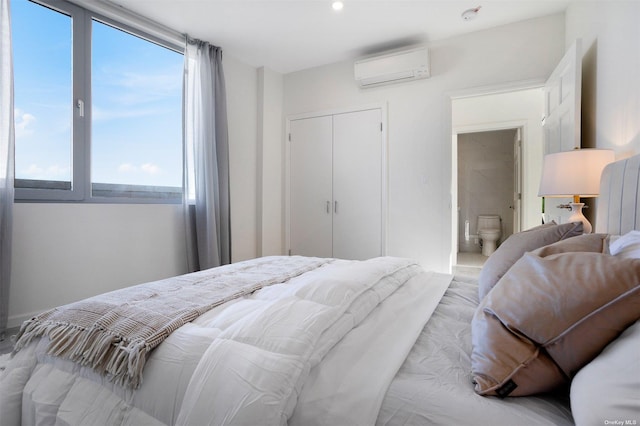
470	14
337	5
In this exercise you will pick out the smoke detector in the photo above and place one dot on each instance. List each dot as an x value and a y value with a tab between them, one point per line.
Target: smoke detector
470	14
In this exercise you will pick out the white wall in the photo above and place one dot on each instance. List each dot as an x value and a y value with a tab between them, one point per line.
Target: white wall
270	232
66	252
419	121
242	111
611	69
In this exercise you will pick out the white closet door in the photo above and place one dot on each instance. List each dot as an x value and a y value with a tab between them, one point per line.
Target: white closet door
311	197
357	184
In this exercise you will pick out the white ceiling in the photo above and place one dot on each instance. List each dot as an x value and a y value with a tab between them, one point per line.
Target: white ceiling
291	35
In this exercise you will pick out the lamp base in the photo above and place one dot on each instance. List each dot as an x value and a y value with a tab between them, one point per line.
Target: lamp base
577	216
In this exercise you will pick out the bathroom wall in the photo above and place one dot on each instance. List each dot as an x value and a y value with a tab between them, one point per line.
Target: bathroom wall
485	182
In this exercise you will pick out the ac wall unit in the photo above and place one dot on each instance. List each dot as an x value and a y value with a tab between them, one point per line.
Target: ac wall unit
394	67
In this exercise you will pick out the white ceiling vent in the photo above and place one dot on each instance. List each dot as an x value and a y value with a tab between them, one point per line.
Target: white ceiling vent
394	67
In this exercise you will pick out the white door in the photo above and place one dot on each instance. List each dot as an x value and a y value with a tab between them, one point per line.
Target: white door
310	183
561	123
357	184
562	93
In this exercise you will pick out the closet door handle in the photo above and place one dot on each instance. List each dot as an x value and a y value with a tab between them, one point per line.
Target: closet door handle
328	207
335	207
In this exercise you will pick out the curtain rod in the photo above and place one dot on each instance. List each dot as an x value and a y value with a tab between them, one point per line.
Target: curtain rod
125	16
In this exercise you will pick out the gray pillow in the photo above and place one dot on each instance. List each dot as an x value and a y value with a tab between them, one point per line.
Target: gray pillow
550	316
518	244
592	243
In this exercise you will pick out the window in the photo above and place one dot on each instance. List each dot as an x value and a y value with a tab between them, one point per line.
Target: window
42	99
104	122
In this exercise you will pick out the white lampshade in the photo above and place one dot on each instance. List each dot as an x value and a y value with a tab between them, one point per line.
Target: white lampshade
574	173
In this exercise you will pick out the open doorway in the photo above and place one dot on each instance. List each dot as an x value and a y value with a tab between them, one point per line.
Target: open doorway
488	192
519	112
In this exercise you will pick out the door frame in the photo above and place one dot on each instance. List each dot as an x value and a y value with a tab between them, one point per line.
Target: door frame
382	106
479	92
519	126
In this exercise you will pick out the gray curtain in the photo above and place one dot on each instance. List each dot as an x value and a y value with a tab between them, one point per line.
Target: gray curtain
7	146
206	158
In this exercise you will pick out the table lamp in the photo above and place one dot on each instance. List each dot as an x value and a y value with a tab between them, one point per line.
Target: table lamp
574	174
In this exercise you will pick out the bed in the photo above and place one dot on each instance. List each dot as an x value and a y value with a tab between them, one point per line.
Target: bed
303	341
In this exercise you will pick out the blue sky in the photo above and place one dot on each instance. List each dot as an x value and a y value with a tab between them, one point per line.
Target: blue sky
136	106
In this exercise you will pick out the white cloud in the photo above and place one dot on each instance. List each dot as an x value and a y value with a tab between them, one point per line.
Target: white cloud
51	172
125	94
141	87
33	170
104	114
152	169
148	168
57	170
127	168
22	122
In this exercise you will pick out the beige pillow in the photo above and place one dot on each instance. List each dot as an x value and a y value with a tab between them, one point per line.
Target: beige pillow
548	317
518	244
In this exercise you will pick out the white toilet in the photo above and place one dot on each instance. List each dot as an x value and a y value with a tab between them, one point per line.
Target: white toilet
489	232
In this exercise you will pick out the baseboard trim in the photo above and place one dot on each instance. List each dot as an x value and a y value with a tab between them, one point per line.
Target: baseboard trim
17	320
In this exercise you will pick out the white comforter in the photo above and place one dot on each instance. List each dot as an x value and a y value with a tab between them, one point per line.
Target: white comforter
320	348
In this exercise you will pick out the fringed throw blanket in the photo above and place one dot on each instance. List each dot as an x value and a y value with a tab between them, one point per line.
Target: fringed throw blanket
113	333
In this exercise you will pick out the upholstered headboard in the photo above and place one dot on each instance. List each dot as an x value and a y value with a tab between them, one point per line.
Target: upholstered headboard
618	210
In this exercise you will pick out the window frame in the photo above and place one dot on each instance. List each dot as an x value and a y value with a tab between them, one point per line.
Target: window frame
81	188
